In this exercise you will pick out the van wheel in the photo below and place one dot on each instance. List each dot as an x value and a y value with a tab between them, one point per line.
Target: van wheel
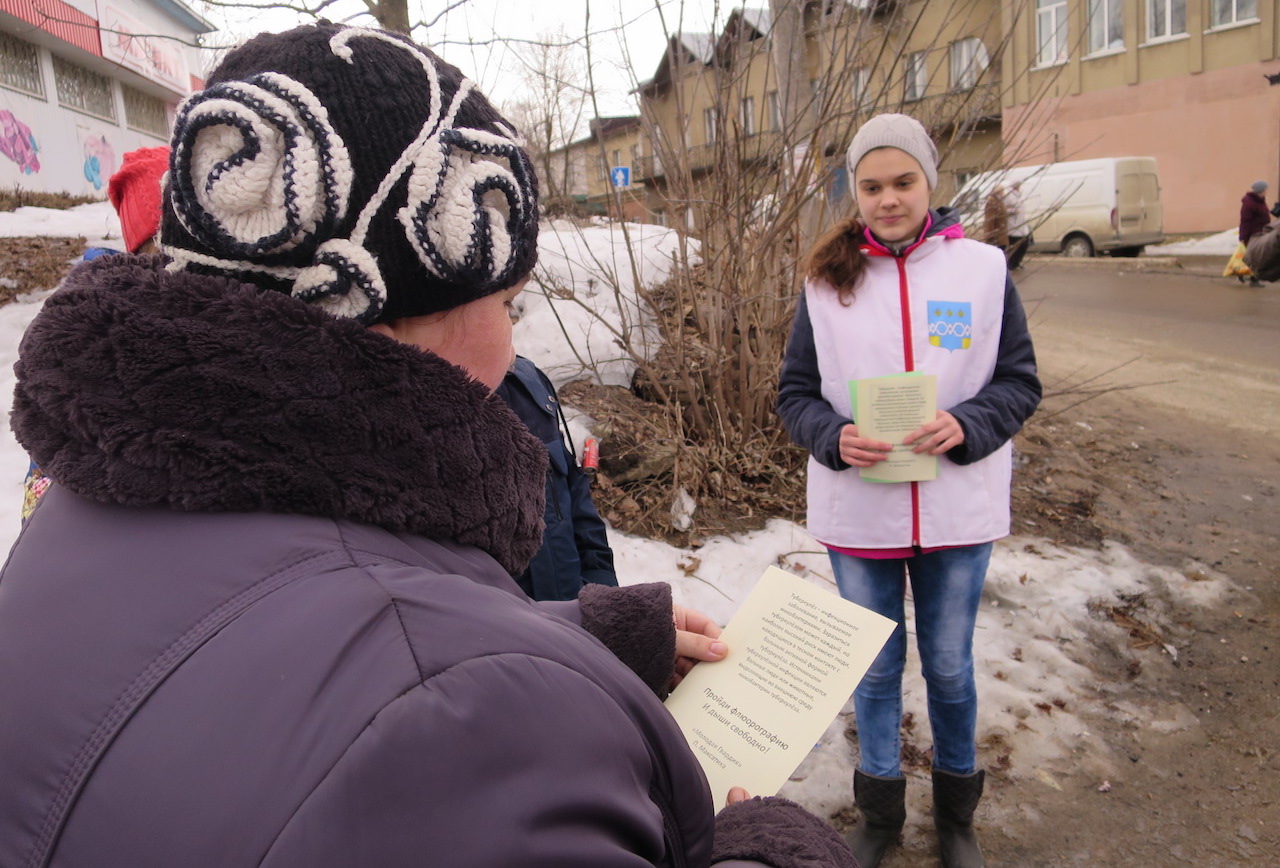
1078	247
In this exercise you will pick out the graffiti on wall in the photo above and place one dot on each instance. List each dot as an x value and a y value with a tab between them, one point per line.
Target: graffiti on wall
18	143
125	40
99	160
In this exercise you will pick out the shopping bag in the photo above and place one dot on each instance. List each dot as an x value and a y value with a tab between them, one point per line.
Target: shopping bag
1235	265
1262	254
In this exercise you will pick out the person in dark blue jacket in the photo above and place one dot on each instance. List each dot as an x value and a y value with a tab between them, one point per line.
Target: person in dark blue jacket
575	548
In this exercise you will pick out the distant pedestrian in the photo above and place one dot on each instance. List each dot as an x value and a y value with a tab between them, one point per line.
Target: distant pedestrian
995	219
1254	217
1019	228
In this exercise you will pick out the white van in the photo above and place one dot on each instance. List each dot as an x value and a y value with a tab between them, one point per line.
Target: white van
1080	207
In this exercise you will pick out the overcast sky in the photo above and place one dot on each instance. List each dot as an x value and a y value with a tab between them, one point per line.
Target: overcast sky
480	36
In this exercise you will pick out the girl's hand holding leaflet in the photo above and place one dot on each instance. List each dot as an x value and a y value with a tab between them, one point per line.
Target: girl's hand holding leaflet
938	436
859	451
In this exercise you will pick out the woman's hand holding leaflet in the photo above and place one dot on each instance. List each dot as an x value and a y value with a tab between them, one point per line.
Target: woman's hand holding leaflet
696	636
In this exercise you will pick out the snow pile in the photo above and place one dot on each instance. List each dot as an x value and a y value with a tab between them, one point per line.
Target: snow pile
583	302
96	222
1219	244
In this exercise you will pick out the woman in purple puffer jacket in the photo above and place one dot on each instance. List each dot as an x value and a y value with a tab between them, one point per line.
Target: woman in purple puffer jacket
264	615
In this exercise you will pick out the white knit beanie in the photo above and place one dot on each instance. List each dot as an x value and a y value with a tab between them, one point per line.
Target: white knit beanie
895	131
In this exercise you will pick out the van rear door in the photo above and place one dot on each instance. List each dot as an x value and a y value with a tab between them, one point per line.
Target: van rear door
1139	214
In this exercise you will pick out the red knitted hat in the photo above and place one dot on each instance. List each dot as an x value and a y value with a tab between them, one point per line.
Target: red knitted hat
135	193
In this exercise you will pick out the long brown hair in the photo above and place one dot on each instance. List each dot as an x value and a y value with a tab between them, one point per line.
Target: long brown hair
838	259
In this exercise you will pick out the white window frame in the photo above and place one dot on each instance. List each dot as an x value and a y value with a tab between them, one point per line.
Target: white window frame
1051	32
775	110
1105	26
73	82
1239	12
20	67
748	115
861	87
710	123
917	76
1166	9
968	59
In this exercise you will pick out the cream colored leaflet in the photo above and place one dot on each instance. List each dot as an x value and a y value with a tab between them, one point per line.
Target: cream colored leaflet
889	408
796	652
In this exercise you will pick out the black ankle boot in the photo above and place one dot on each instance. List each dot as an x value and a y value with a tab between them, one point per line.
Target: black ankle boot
954	799
882	802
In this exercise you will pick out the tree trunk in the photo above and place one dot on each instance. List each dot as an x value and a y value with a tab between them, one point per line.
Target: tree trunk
392	14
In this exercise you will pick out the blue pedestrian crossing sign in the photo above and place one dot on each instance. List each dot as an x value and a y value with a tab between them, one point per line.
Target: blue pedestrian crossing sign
621	176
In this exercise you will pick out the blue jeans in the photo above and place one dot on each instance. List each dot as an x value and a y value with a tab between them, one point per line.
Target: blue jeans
946	587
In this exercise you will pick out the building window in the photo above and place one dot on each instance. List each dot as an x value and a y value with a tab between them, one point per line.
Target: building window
1166	18
1106	25
710	121
617	158
1232	11
602	169
144	112
917	75
775	111
1051	32
20	66
83	89
635	155
817	95
861	88
748	116
968	61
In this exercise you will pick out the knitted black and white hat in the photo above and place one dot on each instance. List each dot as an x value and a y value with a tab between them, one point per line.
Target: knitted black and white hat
352	169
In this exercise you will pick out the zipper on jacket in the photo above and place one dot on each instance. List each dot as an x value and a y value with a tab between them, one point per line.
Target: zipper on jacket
909	362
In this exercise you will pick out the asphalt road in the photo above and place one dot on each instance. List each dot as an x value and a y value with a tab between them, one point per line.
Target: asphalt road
1188	338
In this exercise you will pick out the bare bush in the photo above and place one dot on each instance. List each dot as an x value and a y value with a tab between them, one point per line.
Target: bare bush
749	186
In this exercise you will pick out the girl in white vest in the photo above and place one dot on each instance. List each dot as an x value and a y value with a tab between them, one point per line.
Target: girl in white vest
902	290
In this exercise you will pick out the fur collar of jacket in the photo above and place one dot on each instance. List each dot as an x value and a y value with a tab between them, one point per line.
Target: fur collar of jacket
142	387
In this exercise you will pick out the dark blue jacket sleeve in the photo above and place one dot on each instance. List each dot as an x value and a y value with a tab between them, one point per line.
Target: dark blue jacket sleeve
589	530
809	419
991	417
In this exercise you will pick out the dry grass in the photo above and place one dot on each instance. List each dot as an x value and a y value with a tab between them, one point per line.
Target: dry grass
31	263
17	197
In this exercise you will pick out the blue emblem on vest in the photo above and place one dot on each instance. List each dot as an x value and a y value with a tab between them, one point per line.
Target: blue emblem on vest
951	324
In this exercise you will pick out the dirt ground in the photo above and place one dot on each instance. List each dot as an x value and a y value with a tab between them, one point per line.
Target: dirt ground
1201	733
1204	790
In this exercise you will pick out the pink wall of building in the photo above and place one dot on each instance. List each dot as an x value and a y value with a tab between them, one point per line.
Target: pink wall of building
1212	134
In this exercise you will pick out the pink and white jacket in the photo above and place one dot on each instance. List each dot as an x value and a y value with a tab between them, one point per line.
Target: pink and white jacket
944	306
